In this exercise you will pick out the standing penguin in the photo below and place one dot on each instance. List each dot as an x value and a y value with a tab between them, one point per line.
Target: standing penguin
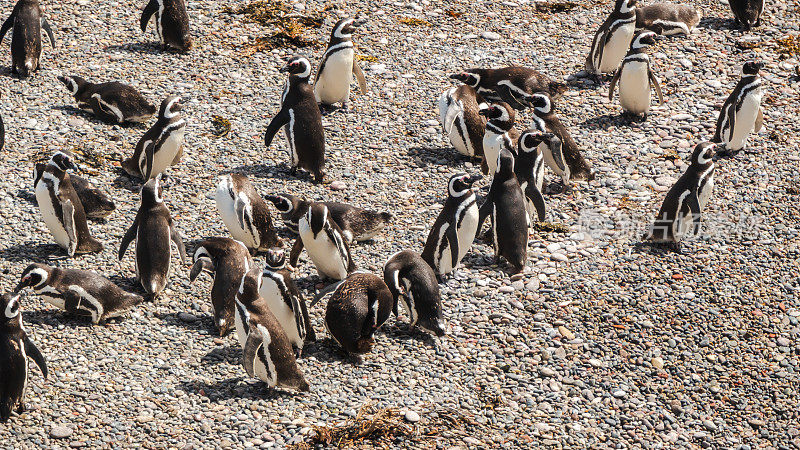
357	224
62	209
112	102
500	133
338	65
510	84
26	40
529	169
172	23
325	243
97	204
684	203
355	311
454	229
459	112
245	213
301	119
285	301
15	349
78	292
570	165
153	228
162	145
747	13
228	260
505	203
413	284
266	351
668	18
636	78
741	113
612	39
2	134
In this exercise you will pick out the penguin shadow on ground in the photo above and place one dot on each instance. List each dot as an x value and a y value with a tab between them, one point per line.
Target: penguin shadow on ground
238	387
607	120
31	252
150	48
445	156
231	354
28	196
402	331
128	284
327	350
281	170
717	23
200	323
585	83
55	317
127	182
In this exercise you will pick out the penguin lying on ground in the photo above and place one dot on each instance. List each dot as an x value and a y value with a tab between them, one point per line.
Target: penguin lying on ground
26	40
668	18
112	102
510	84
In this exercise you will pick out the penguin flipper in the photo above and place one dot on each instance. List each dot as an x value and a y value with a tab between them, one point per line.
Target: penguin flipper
176	238
656	85
128	238
297	248
537	198
202	264
758	125
311	336
68	218
731	113
484	211
149	10
6	26
613	85
694	207
452	239
299	319
277	122
244	214
557	151
453	111
49	31
507	96
149	150
362	81
250	352
33	352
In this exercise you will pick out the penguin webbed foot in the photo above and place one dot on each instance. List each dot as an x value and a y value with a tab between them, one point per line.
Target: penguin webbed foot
22	407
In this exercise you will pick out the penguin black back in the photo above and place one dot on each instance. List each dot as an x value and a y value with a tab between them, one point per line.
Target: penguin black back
26	41
413	282
171	21
355	311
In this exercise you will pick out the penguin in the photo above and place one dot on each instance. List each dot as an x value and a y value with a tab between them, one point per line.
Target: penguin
26	40
2	134
684	203
505	204
15	349
357	224
153	228
413	284
612	39
112	102
636	78
326	245
338	65
79	292
741	113
162	145
510	84
747	13
455	227
228	260
570	165
459	112
266	351
668	18
301	119
172	23
500	133
245	213
62	209
529	169
355	311
285	301
97	205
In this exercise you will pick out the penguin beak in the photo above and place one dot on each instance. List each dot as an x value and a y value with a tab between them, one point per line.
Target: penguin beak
457	76
285	68
359	21
484	112
71	166
25	282
474	178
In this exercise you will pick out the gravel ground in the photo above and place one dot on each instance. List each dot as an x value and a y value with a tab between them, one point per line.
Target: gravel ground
600	344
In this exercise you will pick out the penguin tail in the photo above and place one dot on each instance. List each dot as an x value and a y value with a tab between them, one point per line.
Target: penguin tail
364	345
386	217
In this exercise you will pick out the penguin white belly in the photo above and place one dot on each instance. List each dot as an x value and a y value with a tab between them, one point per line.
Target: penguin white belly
705	193
745	121
616	48
466	233
324	254
634	87
271	293
229	217
52	221
52	296
492	143
461	142
550	161
166	154
333	84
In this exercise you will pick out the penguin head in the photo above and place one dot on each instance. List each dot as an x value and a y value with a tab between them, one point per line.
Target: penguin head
461	183
468	77
248	287
170	107
643	39
530	140
540	102
9	303
153	190
73	83
500	113
316	216
505	163
63	160
276	259
297	66
752	67
345	28
625	6
284	203
703	153
34	275
432	324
